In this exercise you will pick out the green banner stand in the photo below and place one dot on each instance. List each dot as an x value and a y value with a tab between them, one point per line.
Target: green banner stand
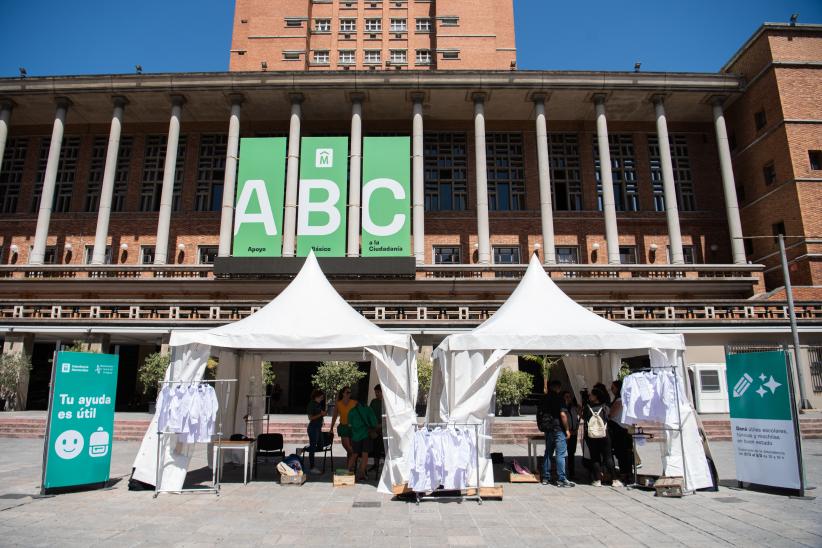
386	197
80	428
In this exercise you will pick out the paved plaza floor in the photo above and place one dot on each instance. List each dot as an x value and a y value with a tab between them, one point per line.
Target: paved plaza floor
316	514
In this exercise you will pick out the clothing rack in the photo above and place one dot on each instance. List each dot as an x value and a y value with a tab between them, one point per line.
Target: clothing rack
215	485
463	495
673	369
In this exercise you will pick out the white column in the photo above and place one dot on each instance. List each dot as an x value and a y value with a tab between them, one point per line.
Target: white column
167	195
668	185
5	117
354	177
483	232
608	204
728	184
292	177
231	152
49	180
418	176
545	206
98	255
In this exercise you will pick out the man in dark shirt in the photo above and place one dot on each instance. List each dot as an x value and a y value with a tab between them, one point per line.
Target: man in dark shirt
378	451
553	421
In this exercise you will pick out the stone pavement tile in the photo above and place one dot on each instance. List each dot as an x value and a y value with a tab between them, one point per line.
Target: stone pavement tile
393	542
466	540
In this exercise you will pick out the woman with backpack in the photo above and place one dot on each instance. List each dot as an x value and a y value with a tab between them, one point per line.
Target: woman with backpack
595	420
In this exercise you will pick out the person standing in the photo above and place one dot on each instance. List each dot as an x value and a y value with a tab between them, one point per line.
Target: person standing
316	414
572	411
363	425
621	440
377	449
553	421
345	403
595	421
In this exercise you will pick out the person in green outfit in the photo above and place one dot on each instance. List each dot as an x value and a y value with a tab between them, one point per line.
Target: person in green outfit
345	403
363	425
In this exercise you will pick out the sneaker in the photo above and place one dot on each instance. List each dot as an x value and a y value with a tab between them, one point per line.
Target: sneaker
315	471
566	483
617	483
545	481
596	483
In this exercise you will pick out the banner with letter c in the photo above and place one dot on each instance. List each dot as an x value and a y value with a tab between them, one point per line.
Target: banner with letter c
386	197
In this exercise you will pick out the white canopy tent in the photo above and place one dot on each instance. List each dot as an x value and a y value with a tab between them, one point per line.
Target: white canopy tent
307	321
539	318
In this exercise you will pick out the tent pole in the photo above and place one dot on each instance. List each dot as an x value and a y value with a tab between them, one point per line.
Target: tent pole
679	415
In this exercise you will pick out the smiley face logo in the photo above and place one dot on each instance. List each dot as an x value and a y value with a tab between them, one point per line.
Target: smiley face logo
69	444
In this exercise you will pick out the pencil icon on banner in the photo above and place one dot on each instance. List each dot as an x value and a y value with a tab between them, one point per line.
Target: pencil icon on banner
742	385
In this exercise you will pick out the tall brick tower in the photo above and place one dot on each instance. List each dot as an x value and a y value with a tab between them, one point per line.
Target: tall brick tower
278	35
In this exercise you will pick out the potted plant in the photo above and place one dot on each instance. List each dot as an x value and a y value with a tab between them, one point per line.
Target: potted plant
546	364
150	374
12	368
425	369
512	388
332	376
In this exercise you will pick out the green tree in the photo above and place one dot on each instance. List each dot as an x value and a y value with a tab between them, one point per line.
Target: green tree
152	372
513	386
12	369
268	374
81	346
425	370
332	376
546	365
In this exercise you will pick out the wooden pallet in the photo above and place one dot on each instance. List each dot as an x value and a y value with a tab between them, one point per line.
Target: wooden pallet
299	479
344	480
522	478
669	487
494	492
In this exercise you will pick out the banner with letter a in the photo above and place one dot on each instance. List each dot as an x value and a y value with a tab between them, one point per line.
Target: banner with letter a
321	208
258	210
386	197
762	424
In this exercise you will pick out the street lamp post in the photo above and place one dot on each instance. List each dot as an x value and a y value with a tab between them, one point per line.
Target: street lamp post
799	366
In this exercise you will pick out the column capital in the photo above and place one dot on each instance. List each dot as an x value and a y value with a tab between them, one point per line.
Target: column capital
479	97
540	97
119	101
236	98
417	96
296	98
357	97
599	98
717	100
178	100
658	98
62	102
7	104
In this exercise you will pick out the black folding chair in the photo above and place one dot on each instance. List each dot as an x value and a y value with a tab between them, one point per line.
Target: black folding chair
327	446
268	445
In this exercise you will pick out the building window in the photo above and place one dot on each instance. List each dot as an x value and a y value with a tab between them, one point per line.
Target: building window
322	57
627	254
450	55
681	162
153	164
373	56
769	173
446	255
11	173
347	57
777	229
146	254
567	254
449	21
211	172
566	178
506	171
206	254
293	22
292	55
348	25
446	179
423	57
88	255
423	24
399	57
709	380
50	254
66	173
506	255
399	25
623	171
688	254
760	120
815	157
95	174
373	25
322	25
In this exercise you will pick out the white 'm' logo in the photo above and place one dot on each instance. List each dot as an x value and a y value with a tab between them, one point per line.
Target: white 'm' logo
325	158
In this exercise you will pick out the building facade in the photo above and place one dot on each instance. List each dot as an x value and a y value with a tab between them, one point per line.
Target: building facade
634	189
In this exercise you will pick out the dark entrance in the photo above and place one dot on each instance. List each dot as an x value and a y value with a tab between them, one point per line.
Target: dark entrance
128	396
42	355
300	385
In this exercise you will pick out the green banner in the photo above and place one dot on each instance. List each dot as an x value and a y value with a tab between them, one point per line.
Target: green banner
321	209
758	386
386	197
81	420
258	213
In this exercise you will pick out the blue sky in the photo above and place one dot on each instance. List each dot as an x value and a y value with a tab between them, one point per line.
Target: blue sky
56	37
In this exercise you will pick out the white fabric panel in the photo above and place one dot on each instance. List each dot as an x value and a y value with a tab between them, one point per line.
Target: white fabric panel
584	371
187	364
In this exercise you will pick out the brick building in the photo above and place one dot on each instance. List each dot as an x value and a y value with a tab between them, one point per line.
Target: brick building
504	164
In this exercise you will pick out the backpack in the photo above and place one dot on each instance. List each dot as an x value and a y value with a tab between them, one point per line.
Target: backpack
596	426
